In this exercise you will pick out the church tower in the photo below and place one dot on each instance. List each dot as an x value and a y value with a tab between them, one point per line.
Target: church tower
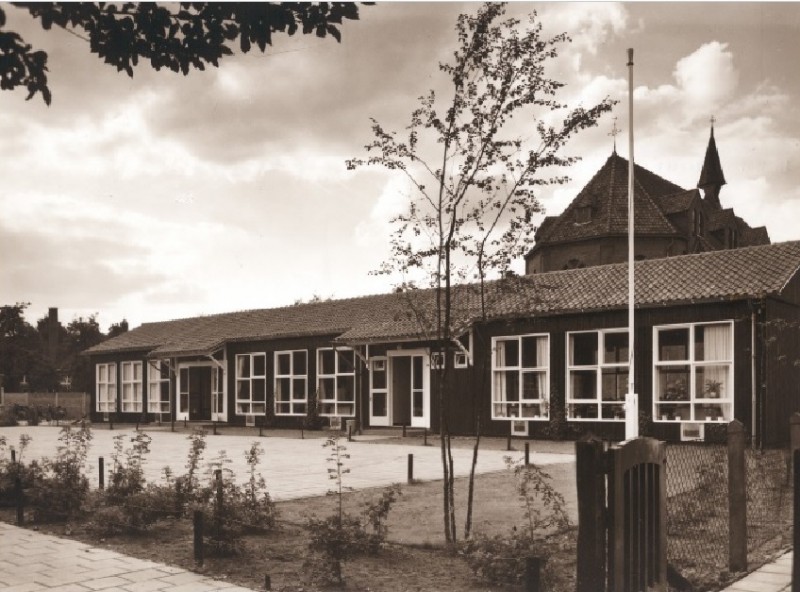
711	177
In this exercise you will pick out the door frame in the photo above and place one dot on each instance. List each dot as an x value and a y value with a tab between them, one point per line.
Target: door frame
425	420
222	367
381	420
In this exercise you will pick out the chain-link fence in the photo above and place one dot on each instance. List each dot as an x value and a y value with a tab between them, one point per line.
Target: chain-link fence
697	509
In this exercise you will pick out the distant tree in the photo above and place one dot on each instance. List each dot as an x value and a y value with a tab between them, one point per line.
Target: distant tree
475	164
82	333
19	345
179	37
118	328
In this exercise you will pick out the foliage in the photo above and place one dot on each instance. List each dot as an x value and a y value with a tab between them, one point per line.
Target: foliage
60	486
176	37
187	486
501	559
126	477
474	174
9	471
253	507
312	419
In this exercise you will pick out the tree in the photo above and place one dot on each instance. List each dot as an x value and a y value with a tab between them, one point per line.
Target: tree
118	328
177	37
498	138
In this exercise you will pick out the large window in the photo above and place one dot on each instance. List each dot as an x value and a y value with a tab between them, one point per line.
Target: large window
106	387
693	374
520	377
251	384
597	374
291	382
336	381
158	387
131	387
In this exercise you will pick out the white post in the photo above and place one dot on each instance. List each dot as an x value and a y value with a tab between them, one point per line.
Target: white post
631	400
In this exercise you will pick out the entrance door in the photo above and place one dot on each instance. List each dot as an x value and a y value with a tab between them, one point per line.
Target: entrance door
194	393
410	388
379	408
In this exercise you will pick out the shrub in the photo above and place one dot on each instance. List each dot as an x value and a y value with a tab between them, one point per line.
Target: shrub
60	485
312	419
127	467
501	559
187	486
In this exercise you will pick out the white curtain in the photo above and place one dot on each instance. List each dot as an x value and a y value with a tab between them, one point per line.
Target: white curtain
716	347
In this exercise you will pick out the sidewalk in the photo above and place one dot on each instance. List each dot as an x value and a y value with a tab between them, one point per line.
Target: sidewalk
772	577
31	561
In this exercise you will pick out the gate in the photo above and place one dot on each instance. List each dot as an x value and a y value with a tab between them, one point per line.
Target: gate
622	535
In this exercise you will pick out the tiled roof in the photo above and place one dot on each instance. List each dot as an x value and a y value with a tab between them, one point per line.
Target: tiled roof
721	219
678	202
735	274
753	236
607	196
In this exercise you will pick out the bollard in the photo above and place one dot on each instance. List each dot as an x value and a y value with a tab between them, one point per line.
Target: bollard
527	453
260	430
349	432
508	443
215	428
267	582
410	469
185	423
198	537
13	455
404	430
137	425
302	433
19	497
110	423
533	572
101	478
425	437
172	427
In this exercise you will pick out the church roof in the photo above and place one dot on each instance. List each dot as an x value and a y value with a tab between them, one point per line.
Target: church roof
678	202
711	174
606	195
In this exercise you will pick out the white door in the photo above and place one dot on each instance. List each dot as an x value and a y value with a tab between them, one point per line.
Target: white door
379	404
420	391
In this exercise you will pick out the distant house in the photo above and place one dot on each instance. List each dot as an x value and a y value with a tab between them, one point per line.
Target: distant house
716	332
670	220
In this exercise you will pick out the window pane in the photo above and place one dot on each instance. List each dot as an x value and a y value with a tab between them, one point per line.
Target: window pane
507	353
583	384
327	388
242	389
282	389
672	383
711	382
346	361
378	377
533	385
283	408
299	408
259	365
583	349
534	352
345	390
127	371
242	366
615	384
416	372
712	342
284	364
615	348
259	389
327	362
300	362
299	391
673	345
509	385
582	411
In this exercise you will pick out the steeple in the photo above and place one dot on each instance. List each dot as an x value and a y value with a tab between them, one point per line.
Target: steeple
711	177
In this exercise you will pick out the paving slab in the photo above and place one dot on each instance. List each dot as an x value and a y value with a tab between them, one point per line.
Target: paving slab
775	576
128	573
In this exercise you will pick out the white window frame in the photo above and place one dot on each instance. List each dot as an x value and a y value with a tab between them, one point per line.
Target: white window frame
462	359
155	381
725	403
336	376
132	388
438	360
598	368
106	389
543	402
292	377
249	405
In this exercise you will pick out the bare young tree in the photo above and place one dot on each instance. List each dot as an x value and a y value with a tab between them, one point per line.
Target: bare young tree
475	165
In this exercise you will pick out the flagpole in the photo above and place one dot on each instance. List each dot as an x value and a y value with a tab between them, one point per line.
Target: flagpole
631	400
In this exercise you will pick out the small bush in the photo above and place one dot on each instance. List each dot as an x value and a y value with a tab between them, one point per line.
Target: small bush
127	467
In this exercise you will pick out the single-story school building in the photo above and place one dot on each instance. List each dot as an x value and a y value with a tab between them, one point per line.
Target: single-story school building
717	337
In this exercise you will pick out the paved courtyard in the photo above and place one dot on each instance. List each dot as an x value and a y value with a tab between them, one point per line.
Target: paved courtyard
292	467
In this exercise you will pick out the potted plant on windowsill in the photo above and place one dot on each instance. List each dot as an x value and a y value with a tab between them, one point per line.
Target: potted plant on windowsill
713	389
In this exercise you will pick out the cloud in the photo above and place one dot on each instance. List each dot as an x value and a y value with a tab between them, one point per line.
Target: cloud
707	78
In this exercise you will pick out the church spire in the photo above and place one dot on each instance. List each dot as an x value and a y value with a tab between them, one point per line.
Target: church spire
711	177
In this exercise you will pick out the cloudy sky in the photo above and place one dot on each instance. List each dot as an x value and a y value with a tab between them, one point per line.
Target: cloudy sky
165	196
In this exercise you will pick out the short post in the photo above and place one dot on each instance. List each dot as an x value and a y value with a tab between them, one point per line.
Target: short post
19	496
533	573
267	582
260	429
215	427
185	423
410	469
349	432
172	427
302	433
527	453
13	455
404	430
110	422
591	486
137	425
508	443
737	498
425	437
795	527
101	476
198	537
218	517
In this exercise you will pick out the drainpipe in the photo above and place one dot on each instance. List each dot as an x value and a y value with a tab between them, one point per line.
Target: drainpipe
753	422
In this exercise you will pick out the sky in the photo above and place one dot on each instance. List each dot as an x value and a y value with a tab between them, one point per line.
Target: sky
165	196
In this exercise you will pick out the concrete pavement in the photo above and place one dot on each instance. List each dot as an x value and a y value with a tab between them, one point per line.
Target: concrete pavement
31	562
772	577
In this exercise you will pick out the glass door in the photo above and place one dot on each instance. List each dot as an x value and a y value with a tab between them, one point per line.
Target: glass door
379	407
420	416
